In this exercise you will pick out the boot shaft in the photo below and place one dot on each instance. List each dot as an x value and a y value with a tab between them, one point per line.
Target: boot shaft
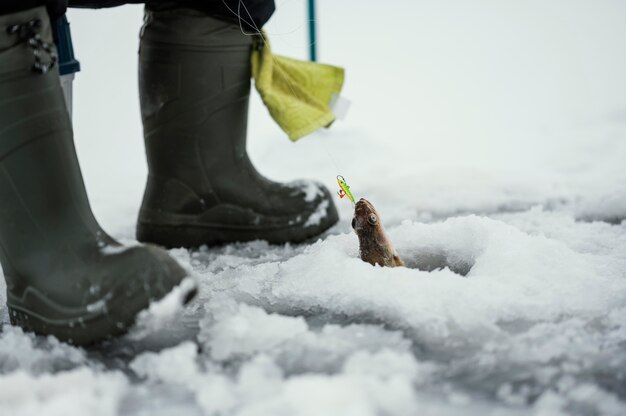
190	63
44	204
194	82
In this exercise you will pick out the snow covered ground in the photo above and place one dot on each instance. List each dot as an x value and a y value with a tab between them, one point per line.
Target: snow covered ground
490	135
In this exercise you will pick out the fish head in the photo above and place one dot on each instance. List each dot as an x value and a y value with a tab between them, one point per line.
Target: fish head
366	221
365	215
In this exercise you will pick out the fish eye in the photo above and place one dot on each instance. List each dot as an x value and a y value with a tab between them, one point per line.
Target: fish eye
353	222
373	219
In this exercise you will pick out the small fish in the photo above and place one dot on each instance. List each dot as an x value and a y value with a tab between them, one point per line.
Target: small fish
374	245
344	189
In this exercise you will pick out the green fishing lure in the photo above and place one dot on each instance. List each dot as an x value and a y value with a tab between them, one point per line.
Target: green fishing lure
344	189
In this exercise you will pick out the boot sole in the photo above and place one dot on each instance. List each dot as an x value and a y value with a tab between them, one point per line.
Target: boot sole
88	328
174	236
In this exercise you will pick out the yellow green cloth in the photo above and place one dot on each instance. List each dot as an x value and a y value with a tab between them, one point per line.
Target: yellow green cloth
296	93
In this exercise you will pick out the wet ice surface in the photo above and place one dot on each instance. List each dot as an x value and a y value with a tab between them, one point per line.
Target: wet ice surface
537	325
499	177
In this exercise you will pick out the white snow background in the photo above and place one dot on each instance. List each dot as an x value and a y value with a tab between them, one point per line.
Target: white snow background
490	135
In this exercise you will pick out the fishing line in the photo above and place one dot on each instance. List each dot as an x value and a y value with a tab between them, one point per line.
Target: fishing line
344	188
260	34
252	26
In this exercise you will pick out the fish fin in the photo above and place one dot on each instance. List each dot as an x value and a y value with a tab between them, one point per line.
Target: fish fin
397	261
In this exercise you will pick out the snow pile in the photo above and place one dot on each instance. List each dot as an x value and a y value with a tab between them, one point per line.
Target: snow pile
366	384
37	355
77	392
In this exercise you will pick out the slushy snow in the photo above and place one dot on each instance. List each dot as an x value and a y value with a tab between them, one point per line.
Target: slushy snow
491	139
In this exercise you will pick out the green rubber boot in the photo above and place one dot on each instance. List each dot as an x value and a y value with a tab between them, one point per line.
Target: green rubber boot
194	83
65	276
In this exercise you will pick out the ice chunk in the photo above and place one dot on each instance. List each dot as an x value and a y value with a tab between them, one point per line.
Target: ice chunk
174	365
162	312
238	331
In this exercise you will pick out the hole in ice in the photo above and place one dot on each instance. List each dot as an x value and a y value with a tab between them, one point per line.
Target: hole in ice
437	260
609	219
